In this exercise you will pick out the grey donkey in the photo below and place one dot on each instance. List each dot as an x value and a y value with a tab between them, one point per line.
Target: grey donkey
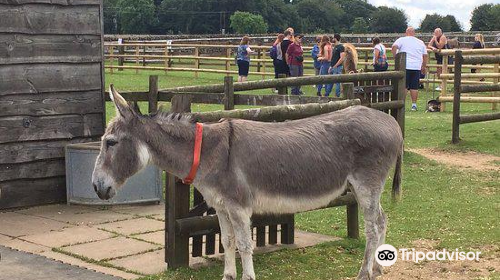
249	167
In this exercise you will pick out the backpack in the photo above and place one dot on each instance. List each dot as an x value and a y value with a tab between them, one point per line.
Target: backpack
273	52
382	57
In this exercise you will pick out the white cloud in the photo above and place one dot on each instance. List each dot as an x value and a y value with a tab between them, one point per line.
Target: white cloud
417	9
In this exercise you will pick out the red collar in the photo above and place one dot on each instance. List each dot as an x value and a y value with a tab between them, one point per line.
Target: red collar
197	154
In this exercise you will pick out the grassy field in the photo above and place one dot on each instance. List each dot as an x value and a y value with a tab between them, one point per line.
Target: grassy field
454	208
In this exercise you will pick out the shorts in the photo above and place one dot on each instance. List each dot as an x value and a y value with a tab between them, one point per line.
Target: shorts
412	79
439	59
380	68
243	67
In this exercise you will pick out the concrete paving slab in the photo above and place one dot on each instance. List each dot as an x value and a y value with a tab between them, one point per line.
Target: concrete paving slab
15	224
149	263
4	238
134	226
140	210
157	237
110	248
68	236
25	246
94	267
17	265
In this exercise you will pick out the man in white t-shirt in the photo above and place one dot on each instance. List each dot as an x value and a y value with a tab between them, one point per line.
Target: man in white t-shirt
416	61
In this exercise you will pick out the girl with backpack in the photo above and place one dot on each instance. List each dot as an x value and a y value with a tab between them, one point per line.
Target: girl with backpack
243	58
275	52
324	57
379	56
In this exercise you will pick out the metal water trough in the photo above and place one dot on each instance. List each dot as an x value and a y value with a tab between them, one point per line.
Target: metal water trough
144	187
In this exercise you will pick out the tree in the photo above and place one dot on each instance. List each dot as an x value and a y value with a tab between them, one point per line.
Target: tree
322	14
248	23
137	16
447	23
455	26
360	26
495	16
388	20
354	9
482	18
110	17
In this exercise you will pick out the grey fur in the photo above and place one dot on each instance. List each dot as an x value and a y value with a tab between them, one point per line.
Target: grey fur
254	167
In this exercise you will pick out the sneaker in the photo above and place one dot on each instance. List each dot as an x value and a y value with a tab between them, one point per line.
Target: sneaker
414	107
438	88
318	94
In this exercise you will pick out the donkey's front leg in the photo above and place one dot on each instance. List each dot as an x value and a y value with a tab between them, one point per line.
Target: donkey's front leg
228	241
240	219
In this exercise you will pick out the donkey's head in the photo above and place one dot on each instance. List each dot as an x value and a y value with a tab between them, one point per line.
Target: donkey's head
122	152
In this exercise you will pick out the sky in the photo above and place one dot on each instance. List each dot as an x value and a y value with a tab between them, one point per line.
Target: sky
417	9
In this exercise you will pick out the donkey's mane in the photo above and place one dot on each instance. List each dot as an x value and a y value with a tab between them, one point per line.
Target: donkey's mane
169	117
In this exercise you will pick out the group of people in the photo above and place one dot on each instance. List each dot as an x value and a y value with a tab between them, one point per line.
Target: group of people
329	54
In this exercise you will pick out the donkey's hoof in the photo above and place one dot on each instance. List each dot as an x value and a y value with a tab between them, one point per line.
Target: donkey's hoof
228	277
247	277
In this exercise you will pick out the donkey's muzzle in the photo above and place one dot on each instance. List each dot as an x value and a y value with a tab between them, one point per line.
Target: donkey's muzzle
104	193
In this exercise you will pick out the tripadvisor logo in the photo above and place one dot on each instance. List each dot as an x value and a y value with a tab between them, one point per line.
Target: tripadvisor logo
387	255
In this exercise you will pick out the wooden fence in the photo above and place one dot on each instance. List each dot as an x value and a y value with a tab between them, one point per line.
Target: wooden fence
458	89
196	221
203	58
490	74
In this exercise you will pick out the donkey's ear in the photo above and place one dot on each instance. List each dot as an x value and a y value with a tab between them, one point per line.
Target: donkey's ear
121	104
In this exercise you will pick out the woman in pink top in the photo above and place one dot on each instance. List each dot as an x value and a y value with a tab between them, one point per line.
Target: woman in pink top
325	56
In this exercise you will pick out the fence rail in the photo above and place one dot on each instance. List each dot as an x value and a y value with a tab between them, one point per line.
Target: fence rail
219	59
458	89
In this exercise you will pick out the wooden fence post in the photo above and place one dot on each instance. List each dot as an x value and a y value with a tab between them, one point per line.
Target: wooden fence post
228	93
366	61
111	58
166	58
399	93
348	91
444	82
137	53
495	81
153	94
121	59
288	229
455	136
196	61
282	90
228	62
352	221
177	205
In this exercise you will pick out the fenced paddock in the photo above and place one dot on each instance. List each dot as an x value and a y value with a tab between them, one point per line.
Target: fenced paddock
459	89
193	220
51	93
219	58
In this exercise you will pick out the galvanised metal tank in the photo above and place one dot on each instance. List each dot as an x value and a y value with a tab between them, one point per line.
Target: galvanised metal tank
143	187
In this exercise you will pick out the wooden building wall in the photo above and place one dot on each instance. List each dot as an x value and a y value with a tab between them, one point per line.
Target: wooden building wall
51	93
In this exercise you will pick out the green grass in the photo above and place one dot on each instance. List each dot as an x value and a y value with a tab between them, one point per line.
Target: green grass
457	208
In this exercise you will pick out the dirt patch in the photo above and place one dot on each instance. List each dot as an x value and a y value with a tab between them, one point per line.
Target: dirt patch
468	160
489	262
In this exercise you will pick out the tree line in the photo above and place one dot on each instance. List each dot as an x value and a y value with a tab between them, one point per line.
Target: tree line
271	16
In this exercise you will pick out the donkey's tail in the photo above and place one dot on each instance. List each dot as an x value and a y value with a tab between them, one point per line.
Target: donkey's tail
396	182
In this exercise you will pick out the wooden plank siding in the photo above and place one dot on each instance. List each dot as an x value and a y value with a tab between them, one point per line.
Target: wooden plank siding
50	19
38	78
51	94
21	48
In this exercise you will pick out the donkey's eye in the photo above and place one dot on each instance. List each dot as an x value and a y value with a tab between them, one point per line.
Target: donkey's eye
111	142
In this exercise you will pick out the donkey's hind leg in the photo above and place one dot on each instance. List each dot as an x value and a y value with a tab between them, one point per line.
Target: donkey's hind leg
368	192
240	219
228	241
